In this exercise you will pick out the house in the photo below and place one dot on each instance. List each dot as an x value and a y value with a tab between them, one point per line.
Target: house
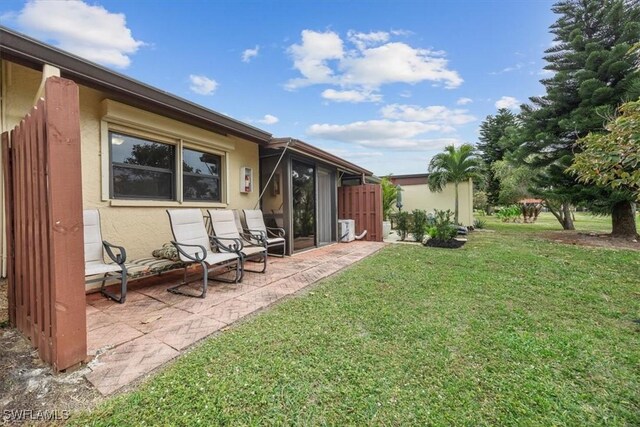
416	195
144	150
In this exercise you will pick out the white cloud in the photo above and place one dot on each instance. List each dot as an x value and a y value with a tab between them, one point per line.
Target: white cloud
321	59
268	119
353	96
509	69
464	101
248	54
400	135
312	56
202	85
437	114
89	31
508	102
364	40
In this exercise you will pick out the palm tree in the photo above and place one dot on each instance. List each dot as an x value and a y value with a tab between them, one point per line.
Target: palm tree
453	165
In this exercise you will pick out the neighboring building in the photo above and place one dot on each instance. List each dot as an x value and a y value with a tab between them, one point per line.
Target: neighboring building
144	150
416	195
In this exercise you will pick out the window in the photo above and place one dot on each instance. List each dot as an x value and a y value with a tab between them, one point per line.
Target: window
141	169
145	169
201	176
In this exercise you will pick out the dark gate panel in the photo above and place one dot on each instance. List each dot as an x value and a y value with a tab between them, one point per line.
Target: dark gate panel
362	203
43	188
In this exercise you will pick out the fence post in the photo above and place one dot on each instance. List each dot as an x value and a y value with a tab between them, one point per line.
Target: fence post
66	250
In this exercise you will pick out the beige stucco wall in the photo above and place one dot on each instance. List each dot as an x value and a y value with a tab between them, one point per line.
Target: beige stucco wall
140	229
420	197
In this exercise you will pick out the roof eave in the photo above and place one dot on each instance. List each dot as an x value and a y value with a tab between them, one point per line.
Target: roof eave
30	52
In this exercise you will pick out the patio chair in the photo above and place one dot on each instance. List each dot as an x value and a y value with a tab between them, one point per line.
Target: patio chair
194	245
94	265
254	247
254	221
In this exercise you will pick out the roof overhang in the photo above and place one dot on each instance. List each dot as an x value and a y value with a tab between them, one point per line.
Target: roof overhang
18	48
301	147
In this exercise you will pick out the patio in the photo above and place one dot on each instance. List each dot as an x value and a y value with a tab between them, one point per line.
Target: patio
130	340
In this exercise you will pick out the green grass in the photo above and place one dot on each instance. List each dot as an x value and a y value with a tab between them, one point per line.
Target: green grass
547	222
509	330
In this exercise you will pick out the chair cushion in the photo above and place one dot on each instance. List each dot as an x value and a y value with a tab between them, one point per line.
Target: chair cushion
168	251
92	237
214	258
223	223
253	250
98	267
254	220
187	226
274	241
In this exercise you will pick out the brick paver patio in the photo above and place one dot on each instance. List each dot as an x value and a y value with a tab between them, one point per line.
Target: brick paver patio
132	339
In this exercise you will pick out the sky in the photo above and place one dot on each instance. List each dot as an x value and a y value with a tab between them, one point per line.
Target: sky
383	84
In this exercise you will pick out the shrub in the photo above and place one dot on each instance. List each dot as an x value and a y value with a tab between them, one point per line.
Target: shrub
402	224
419	225
443	227
479	223
509	213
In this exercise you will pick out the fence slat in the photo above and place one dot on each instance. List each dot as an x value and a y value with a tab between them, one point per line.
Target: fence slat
43	184
8	194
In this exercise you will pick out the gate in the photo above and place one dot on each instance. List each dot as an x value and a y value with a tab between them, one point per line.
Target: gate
362	203
43	199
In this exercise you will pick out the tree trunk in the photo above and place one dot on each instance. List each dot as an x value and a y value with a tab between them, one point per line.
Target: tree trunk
567	222
623	220
456	210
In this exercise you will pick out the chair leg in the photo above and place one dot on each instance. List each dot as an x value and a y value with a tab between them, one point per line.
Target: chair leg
123	287
176	289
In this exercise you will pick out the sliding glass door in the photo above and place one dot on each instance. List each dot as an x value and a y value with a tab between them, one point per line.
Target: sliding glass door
304	205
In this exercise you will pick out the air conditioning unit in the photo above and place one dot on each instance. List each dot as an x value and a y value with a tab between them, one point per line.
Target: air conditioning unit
346	230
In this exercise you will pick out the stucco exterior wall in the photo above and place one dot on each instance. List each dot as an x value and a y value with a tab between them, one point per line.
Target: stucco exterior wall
145	226
420	197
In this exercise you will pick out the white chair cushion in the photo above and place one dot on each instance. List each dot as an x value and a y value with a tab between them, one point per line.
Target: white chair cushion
275	240
99	267
92	237
219	257
223	223
187	226
252	250
254	220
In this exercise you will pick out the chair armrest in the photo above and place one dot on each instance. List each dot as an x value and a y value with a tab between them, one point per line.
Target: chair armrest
119	258
276	231
255	237
235	245
193	258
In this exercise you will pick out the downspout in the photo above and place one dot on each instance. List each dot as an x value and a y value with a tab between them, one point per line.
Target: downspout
275	168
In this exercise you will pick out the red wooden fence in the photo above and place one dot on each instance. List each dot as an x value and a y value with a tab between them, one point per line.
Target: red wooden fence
43	188
362	203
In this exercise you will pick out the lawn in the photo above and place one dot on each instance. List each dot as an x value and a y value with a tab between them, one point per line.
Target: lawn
510	330
547	222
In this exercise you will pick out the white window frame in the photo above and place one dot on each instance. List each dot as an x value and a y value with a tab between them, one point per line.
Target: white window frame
131	121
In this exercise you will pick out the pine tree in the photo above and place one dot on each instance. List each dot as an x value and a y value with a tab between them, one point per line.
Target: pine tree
493	144
593	74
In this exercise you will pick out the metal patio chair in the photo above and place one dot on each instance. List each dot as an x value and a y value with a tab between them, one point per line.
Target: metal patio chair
254	221
194	245
254	246
94	265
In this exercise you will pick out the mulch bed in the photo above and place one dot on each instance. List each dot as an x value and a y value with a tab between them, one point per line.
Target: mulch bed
448	244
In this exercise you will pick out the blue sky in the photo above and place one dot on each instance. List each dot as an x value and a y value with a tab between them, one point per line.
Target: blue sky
385	84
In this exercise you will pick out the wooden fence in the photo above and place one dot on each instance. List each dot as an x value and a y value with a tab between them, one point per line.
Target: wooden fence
43	190
362	203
